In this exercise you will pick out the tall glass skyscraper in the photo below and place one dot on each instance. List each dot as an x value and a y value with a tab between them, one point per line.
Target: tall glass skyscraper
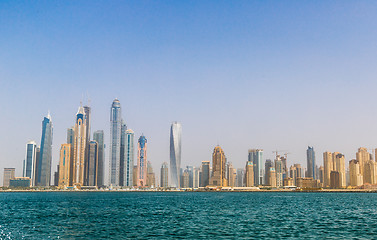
310	158
175	154
115	142
128	158
256	157
142	162
30	161
98	136
45	158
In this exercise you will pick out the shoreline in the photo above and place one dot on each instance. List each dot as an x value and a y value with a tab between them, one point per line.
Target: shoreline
200	191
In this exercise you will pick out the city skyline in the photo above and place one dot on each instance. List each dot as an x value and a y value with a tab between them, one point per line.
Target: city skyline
307	70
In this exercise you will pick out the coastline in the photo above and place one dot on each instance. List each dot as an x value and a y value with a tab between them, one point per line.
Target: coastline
200	191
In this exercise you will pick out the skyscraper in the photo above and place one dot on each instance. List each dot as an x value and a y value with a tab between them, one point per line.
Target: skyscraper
256	157
268	165
278	171
87	112
356	179
164	176
92	164
231	175
30	161
71	135
341	168
122	164
115	142
328	167
151	178
205	173
175	154
99	138
79	148
310	159
218	168
362	156
44	164
128	158
195	177
249	174
142	162
65	166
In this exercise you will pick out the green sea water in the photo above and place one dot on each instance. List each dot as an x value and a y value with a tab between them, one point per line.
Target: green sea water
208	215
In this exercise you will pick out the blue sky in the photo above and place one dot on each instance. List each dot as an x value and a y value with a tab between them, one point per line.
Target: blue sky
242	74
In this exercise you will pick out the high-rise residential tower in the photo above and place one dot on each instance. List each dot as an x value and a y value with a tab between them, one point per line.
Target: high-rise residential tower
65	173
45	157
356	179
175	154
310	159
79	148
142	162
249	174
92	164
164	175
328	165
341	168
115	143
30	161
122	164
99	138
363	156
218	168
256	157
128	158
278	171
205	174
87	111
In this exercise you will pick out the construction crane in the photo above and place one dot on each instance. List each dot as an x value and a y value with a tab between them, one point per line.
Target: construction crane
277	152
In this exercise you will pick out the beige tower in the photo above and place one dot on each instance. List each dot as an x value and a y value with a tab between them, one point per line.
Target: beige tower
341	168
356	179
328	167
249	174
370	172
218	168
272	177
232	173
362	156
65	166
79	148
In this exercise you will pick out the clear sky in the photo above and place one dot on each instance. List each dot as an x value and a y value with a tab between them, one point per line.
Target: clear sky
242	74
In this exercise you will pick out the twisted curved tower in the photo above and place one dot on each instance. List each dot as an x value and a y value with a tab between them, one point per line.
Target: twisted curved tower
175	154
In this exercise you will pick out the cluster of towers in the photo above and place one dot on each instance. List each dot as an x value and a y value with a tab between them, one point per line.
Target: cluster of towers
37	162
81	159
82	162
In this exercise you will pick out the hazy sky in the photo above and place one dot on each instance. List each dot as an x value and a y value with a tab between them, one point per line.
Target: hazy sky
242	74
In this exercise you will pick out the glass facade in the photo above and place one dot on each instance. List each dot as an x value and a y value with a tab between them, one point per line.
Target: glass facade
256	157
30	161
129	158
310	157
115	142
98	136
175	154
44	166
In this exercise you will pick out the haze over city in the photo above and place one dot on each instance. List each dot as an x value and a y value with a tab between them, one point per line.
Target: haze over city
243	75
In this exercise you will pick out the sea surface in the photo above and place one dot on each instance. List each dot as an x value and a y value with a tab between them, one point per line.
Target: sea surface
181	215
